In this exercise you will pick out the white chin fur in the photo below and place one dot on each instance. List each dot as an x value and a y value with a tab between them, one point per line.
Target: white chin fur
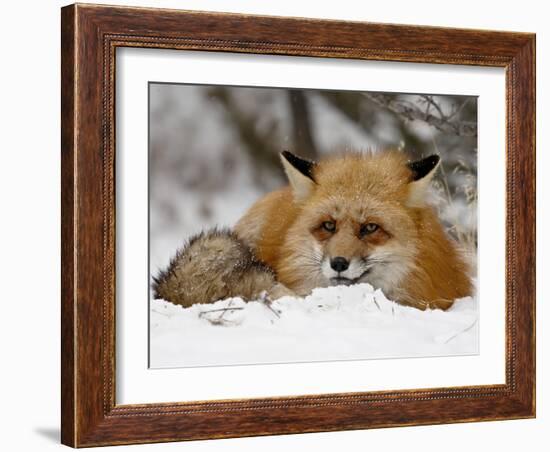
386	277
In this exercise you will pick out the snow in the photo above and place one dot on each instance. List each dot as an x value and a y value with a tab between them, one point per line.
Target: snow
335	323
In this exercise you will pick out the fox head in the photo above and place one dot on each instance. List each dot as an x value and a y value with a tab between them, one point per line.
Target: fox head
357	219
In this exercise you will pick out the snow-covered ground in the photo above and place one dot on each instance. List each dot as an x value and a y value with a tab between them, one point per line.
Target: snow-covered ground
335	323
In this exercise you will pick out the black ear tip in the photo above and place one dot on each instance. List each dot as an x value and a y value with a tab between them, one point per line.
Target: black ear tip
434	159
303	166
287	155
422	168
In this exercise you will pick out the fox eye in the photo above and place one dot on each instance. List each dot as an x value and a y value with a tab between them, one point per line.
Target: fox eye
368	228
329	226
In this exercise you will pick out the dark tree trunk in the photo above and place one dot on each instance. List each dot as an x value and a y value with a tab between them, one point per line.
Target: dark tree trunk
304	145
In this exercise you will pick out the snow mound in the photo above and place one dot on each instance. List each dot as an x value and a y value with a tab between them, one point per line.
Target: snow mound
334	323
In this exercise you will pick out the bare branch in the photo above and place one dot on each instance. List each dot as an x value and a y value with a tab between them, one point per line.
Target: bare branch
459	109
356	111
409	112
430	101
267	302
204	313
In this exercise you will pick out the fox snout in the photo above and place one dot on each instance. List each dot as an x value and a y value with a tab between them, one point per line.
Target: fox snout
342	270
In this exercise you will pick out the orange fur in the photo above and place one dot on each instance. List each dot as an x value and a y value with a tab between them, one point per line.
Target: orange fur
409	256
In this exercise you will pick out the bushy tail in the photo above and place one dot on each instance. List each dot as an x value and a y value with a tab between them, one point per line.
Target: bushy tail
212	266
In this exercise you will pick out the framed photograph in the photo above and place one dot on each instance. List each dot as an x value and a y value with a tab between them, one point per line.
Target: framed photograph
281	225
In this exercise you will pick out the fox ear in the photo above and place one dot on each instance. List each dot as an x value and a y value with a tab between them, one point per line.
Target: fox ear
422	172
300	174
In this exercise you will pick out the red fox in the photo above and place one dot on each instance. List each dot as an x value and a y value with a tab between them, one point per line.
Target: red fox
347	219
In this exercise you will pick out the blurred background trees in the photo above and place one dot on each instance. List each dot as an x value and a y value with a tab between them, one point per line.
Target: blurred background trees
214	150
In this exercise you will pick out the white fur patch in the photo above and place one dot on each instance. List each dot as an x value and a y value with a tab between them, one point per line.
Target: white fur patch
387	277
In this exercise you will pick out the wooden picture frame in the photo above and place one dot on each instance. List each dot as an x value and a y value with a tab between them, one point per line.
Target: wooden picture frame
90	36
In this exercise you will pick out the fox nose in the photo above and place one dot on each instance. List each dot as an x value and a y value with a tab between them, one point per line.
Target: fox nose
339	263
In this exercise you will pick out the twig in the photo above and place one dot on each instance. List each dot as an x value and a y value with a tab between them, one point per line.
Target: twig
430	101
459	109
203	313
468	328
410	112
267	302
220	319
160	313
443	174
